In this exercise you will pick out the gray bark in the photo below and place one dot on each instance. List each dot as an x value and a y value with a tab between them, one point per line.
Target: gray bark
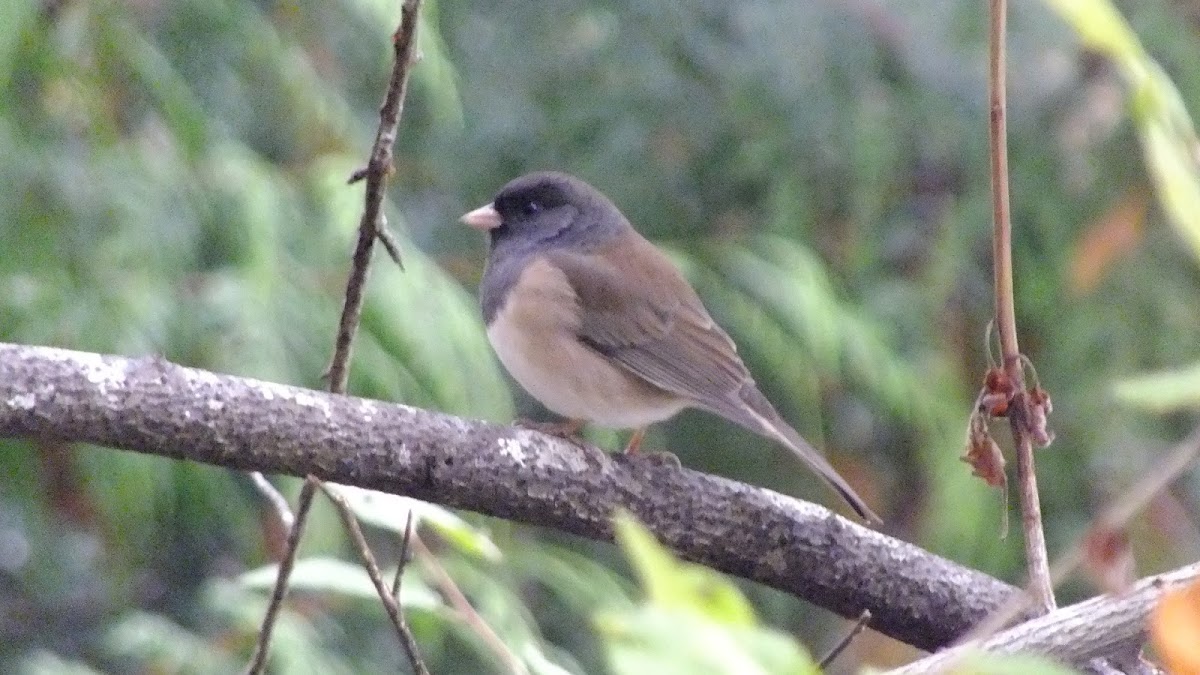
152	406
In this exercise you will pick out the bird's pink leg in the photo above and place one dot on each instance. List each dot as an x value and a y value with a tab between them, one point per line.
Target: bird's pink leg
635	441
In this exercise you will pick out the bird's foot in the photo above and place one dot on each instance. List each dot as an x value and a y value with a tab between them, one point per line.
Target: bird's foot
662	458
635	441
655	457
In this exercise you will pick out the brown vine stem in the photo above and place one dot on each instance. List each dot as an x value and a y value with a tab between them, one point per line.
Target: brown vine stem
371	228
1040	586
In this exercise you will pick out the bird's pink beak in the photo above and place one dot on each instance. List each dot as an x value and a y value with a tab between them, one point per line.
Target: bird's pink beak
483	218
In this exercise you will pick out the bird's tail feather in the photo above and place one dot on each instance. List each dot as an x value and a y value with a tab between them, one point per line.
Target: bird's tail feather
752	411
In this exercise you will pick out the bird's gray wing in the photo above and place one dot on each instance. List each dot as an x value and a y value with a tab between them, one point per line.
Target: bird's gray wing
647	318
636	309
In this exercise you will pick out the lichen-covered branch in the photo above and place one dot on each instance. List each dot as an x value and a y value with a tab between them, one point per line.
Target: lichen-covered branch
150	405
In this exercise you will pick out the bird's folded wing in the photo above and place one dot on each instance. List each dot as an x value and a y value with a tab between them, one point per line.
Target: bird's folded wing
655	326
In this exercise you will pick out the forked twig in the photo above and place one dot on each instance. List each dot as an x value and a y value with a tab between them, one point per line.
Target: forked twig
371	227
391	603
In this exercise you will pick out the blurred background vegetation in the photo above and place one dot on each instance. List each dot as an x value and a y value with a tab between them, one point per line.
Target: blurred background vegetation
172	180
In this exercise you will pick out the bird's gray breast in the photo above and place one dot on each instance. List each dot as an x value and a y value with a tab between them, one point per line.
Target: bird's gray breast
499	277
535	332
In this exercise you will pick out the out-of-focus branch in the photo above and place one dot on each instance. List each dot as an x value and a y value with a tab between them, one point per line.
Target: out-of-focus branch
466	612
1075	635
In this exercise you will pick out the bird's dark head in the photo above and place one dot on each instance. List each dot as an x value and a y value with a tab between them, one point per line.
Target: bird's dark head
547	210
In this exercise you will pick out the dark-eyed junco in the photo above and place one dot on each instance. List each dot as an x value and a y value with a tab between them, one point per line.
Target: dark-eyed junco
598	325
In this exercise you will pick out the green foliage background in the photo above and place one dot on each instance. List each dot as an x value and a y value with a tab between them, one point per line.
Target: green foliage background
172	180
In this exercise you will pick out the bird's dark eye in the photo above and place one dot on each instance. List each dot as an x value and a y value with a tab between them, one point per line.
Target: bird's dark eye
530	208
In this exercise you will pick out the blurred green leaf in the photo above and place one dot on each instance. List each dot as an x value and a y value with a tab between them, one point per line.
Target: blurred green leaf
145	61
1169	141
1173	152
1162	392
15	19
299	645
422	319
723	635
674	585
779	282
578	580
164	646
498	602
42	662
666	640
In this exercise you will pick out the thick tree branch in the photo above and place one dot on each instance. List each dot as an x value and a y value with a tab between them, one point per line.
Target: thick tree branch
150	405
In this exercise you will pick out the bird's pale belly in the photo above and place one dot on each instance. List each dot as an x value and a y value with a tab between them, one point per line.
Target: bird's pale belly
574	381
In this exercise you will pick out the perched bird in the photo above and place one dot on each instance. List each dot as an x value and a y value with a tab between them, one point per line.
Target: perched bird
597	324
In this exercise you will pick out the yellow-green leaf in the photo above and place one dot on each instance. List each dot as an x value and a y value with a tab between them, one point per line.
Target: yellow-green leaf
1162	392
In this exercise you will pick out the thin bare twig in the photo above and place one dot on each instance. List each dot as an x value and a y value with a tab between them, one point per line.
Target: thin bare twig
1150	484
466	612
390	603
1006	321
258	660
403	562
370	228
275	498
376	173
389	242
859	625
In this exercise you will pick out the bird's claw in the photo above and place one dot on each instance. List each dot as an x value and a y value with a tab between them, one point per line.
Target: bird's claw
658	458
